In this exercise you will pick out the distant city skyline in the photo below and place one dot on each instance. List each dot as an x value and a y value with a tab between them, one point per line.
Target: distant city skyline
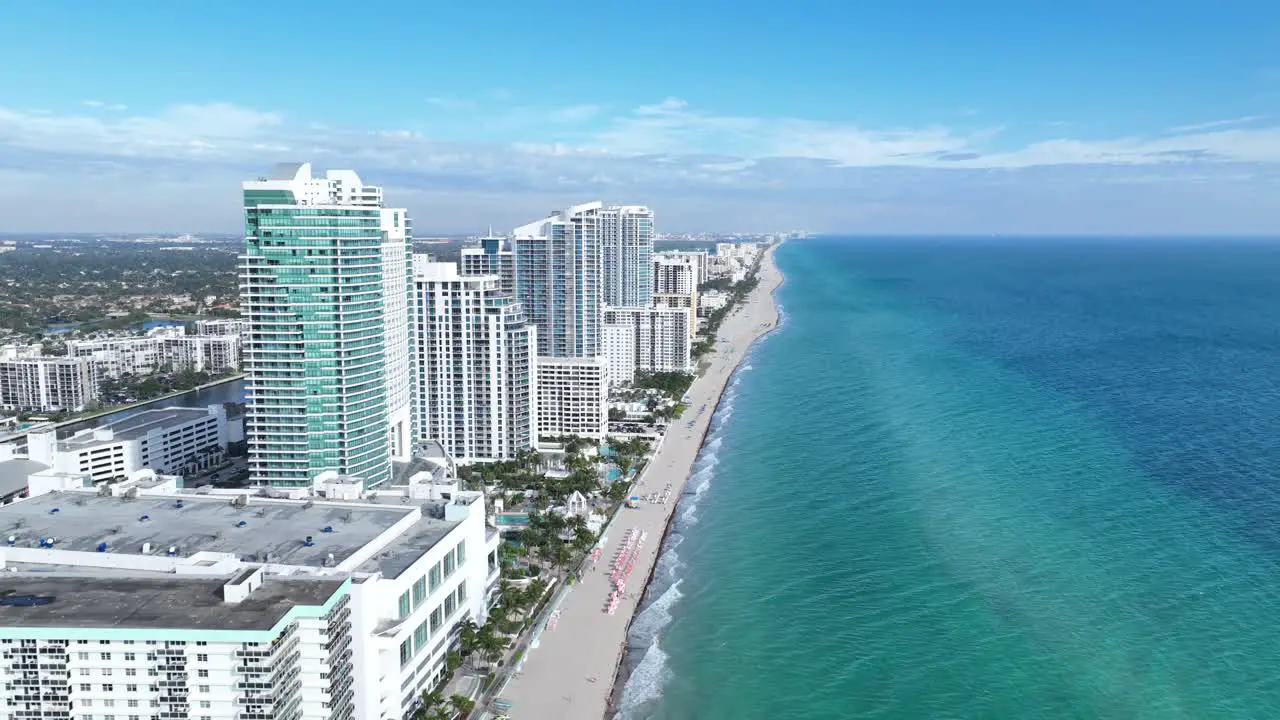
917	118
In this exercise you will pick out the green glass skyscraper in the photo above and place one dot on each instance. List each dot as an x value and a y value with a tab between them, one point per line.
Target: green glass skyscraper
324	285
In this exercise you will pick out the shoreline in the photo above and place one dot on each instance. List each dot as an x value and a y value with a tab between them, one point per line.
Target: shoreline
619	678
571	671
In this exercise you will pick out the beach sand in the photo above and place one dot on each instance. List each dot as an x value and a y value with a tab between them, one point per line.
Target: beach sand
570	673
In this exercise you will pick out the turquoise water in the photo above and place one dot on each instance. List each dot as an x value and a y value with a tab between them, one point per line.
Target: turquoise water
986	480
511	519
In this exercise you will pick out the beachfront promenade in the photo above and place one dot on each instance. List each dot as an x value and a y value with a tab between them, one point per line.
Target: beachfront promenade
569	675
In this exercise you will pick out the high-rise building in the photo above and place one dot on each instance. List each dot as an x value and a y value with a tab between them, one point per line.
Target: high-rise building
325	289
573	397
475	370
626	241
661	336
558	280
620	349
492	257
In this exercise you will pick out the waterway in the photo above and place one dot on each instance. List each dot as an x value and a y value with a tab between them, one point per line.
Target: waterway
231	391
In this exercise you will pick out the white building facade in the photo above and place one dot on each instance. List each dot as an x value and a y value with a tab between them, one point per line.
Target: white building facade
573	395
184	614
661	336
162	349
172	441
620	350
475	365
46	384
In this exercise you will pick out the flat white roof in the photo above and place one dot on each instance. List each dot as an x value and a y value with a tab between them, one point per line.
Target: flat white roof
81	521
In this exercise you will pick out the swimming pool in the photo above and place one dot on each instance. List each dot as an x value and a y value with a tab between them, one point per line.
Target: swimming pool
512	519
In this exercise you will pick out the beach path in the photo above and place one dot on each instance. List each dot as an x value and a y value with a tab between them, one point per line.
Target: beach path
570	673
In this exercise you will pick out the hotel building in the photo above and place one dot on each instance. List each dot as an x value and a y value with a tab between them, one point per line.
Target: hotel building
137	600
475	364
325	290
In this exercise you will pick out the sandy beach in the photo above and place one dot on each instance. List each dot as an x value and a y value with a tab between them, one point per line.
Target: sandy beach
569	673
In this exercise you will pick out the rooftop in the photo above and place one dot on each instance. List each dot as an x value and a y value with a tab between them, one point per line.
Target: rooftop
13	474
134	426
405	551
186	603
264	528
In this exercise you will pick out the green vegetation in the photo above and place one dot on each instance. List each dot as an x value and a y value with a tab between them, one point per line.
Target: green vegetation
672	384
112	285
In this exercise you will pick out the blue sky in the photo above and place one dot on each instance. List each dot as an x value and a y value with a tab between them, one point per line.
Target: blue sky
914	116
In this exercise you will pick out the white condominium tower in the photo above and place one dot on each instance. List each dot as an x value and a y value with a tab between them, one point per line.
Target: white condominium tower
558	280
492	257
324	283
626	240
476	375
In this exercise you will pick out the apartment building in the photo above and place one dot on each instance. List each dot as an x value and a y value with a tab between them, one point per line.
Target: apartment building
46	384
573	395
662	340
474	365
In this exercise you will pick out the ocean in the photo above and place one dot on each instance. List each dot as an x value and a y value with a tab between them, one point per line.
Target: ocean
985	478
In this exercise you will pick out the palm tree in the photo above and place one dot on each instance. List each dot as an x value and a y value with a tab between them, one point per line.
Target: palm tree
490	643
467	633
462	704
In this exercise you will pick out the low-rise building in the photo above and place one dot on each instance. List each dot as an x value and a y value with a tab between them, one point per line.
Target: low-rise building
573	396
173	441
161	349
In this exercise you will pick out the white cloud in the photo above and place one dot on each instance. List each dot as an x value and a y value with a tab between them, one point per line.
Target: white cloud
1215	124
668	151
100	105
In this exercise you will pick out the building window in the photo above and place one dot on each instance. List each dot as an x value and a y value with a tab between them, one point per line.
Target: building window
434	576
462	592
405	607
462	552
419	592
437	619
406	652
448	563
